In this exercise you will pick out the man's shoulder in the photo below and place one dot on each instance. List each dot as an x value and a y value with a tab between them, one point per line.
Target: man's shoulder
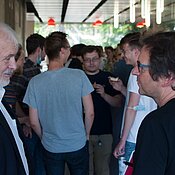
28	63
73	71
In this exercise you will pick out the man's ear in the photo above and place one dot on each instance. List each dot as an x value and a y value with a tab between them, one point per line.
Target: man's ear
62	51
167	81
137	52
38	50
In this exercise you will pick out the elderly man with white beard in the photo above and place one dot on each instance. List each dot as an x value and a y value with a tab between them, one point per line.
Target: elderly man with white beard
13	155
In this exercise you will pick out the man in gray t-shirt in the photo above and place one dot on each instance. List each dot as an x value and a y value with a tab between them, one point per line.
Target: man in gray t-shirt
55	98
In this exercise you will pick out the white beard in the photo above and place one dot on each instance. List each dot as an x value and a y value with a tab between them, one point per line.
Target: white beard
4	83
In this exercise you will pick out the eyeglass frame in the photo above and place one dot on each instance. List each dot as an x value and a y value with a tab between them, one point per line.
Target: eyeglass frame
94	59
141	66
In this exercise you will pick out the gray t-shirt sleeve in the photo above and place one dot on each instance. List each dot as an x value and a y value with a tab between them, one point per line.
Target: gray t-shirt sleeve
29	97
87	86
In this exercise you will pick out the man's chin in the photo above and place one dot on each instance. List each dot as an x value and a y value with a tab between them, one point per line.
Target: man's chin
4	83
141	92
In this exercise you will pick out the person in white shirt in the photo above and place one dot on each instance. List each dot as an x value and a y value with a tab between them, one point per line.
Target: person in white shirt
136	106
13	157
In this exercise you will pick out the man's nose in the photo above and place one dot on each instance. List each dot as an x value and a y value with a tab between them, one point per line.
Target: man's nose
12	63
135	70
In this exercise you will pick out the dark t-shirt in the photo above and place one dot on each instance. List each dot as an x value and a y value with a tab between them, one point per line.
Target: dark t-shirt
75	64
103	120
155	148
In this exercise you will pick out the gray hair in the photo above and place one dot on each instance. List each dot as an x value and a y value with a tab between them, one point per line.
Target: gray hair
8	34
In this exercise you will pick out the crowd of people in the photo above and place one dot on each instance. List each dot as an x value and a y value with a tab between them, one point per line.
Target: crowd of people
74	118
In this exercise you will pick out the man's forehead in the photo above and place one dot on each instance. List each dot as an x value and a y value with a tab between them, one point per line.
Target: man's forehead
91	53
144	55
125	45
7	49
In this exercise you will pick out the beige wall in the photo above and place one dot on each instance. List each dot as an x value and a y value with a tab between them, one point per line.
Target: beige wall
2	12
13	13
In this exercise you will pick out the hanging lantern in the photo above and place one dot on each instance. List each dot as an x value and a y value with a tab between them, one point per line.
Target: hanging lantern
140	24
51	22
97	23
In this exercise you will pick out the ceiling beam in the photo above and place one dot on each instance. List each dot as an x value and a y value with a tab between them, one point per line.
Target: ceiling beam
31	9
64	9
95	9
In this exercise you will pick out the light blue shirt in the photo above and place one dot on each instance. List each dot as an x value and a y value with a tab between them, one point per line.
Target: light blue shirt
57	96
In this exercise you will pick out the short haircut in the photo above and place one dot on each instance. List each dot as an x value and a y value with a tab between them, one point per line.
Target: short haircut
76	50
90	49
161	47
8	34
132	39
54	42
33	42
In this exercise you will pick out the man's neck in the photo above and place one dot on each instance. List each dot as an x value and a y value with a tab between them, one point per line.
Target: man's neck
32	58
55	64
165	97
92	73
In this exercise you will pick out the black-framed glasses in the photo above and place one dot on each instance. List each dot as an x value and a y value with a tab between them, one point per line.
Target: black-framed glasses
94	59
142	67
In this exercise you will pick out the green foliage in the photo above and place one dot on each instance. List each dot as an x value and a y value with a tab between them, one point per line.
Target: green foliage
104	35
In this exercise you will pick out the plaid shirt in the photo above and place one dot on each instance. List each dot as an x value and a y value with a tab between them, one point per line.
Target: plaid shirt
15	90
30	70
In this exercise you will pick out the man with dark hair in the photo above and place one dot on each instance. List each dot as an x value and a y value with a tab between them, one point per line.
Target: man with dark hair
33	41
104	96
36	53
55	98
75	58
155	70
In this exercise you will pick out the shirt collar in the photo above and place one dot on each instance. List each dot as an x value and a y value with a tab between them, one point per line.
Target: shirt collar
2	91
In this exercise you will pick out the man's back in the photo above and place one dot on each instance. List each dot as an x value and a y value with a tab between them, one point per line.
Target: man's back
58	97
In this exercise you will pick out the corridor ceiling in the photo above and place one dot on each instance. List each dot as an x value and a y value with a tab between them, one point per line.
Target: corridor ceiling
88	11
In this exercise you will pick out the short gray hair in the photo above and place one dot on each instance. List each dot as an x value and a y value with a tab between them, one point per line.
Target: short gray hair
6	32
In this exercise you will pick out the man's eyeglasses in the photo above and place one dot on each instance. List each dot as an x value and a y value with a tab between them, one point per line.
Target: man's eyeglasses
88	60
142	67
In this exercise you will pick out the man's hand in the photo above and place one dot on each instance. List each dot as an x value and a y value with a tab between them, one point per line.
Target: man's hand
27	131
100	89
119	149
118	85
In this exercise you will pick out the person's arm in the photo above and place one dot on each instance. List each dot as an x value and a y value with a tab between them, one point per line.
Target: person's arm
34	121
114	101
89	113
118	85
128	121
19	110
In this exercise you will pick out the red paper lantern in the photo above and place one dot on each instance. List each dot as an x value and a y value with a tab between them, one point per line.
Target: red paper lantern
140	24
97	23
51	22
